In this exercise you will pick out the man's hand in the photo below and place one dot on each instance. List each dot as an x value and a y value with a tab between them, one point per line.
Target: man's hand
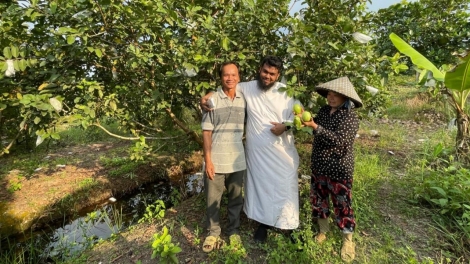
203	102
210	172
278	128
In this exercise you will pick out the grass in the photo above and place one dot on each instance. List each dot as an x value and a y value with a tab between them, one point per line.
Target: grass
27	160
393	226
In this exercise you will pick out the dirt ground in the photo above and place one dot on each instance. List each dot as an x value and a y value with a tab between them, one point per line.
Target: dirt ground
82	182
187	219
51	191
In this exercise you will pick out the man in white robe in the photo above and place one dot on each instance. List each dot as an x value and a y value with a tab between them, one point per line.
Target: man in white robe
271	184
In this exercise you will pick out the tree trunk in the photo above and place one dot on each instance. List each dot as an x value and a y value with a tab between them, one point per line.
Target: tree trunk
185	128
463	136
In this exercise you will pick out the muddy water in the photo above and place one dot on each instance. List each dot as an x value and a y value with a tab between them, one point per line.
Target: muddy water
62	241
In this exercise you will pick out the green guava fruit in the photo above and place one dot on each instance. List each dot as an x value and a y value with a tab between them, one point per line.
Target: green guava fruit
297	122
306	116
297	109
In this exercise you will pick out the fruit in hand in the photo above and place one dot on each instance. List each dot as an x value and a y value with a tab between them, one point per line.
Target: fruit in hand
297	109
306	116
297	122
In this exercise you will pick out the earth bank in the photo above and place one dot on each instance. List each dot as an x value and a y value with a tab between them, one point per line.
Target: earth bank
57	190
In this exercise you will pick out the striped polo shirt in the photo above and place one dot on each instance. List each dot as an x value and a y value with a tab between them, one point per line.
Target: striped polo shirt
226	122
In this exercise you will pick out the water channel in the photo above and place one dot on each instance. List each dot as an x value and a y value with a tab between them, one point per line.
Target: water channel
68	238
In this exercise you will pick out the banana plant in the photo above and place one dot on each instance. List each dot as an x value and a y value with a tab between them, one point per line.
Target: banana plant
456	83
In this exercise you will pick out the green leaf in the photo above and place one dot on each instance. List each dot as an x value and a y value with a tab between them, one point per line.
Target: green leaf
174	259
23	52
459	78
56	104
3	66
70	39
293	79
63	30
175	250
308	130
16	65
113	105
98	53
90	49
7	52
15	51
33	62
53	6
422	76
333	45
443	201
37	120
440	190
224	43
416	57
23	64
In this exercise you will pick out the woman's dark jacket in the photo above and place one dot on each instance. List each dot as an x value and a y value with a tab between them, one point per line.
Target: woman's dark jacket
332	152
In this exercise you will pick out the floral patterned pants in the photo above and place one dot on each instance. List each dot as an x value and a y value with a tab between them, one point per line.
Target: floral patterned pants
321	189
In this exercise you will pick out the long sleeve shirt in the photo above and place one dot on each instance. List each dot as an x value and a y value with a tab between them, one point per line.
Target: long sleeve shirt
332	151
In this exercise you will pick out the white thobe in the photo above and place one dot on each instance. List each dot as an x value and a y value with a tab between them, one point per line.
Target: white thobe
271	184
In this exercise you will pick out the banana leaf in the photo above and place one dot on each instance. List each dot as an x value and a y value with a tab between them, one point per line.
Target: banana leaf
416	57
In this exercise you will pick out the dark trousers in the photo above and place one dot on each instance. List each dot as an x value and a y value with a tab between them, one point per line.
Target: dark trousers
214	190
321	189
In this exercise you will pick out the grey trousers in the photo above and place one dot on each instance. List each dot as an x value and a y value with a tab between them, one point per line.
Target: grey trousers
214	190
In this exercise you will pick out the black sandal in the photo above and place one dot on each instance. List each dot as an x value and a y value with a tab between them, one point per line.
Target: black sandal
261	233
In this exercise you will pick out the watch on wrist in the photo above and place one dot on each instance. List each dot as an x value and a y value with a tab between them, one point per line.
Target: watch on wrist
287	127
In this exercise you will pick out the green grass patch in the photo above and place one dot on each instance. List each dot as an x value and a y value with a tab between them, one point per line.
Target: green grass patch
120	166
78	135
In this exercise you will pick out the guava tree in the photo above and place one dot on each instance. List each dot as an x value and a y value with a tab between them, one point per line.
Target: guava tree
435	28
455	83
76	62
140	62
328	39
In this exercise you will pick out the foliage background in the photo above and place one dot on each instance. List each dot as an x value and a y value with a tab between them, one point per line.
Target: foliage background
139	63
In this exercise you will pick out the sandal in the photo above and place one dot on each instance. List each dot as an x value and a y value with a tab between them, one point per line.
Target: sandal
209	243
261	233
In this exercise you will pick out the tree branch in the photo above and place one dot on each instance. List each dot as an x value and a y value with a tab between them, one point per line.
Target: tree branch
7	148
126	138
102	14
188	131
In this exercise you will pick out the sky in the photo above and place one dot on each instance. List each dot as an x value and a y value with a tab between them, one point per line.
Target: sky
376	5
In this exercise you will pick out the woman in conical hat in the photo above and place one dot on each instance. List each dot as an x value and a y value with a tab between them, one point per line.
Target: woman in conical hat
332	162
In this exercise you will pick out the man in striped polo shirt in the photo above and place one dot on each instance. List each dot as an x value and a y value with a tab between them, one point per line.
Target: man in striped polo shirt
224	155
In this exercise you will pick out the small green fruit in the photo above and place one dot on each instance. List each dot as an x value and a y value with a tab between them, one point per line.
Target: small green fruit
297	109
297	122
306	116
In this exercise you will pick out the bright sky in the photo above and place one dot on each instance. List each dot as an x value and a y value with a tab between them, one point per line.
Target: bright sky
376	4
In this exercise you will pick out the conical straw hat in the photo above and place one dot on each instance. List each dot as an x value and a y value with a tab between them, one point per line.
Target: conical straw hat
342	86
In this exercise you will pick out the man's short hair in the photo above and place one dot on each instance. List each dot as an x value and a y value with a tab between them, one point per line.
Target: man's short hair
273	61
228	63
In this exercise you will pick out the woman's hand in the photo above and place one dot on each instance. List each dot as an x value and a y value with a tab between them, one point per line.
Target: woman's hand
310	123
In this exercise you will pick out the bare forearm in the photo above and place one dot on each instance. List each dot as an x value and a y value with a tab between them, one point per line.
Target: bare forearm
207	145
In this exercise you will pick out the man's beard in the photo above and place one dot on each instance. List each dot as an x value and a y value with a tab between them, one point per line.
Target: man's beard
264	87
